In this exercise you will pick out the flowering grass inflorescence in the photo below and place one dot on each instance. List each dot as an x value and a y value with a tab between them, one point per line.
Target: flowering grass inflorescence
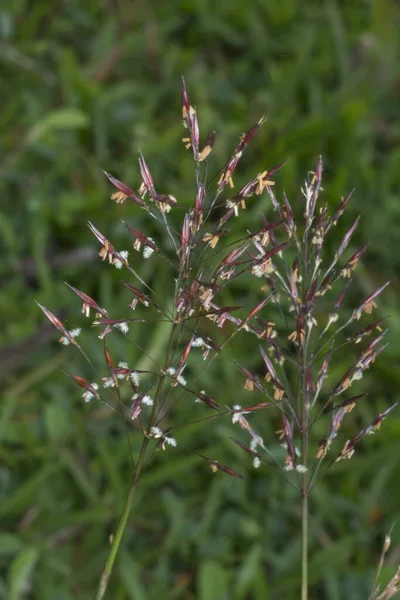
286	258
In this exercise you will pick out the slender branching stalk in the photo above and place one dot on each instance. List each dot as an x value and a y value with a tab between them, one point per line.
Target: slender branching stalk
293	317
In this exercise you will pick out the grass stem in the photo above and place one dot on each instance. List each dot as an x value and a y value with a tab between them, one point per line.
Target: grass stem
103	584
304	546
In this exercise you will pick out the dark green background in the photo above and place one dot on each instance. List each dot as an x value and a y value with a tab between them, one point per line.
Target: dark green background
84	85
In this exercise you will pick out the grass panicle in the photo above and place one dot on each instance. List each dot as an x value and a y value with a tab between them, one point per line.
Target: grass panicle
294	321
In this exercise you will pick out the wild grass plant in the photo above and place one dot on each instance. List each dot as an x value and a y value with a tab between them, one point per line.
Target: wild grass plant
294	322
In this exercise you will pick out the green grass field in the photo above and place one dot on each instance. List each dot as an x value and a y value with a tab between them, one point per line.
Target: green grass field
85	86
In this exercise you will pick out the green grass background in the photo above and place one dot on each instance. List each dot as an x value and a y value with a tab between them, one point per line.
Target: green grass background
84	85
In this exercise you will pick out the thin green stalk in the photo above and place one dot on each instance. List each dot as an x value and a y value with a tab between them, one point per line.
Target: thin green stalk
305	404
304	502
103	584
121	525
304	545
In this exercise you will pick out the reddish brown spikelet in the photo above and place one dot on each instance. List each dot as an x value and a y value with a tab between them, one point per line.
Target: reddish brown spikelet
369	303
184	99
108	323
288	213
367	361
259	406
186	352
208	146
165	202
246	448
289	440
197	214
258	183
348	449
147	178
123	191
110	364
226	217
79	380
213	238
349	404
341	209
88	302
220	314
368	330
374	343
190	122
316	185
337	421
343	244
207	400
53	319
200	196
257	308
274	169
108	249
195	133
228	171
66	337
185	239
233	255
247	137
138	295
270	367
324	369
83	384
136	406
216	466
250	377
352	262
311	292
140	238
274	201
344	383
340	299
266	233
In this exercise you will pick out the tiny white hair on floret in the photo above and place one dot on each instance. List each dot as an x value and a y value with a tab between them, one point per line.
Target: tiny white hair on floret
117	262
170	440
301	469
148	250
257	271
255	442
156	432
181	380
147	400
123	327
109	382
135	377
88	395
288	467
239	412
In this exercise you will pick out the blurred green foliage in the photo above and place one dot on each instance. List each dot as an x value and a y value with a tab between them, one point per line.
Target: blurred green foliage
84	86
